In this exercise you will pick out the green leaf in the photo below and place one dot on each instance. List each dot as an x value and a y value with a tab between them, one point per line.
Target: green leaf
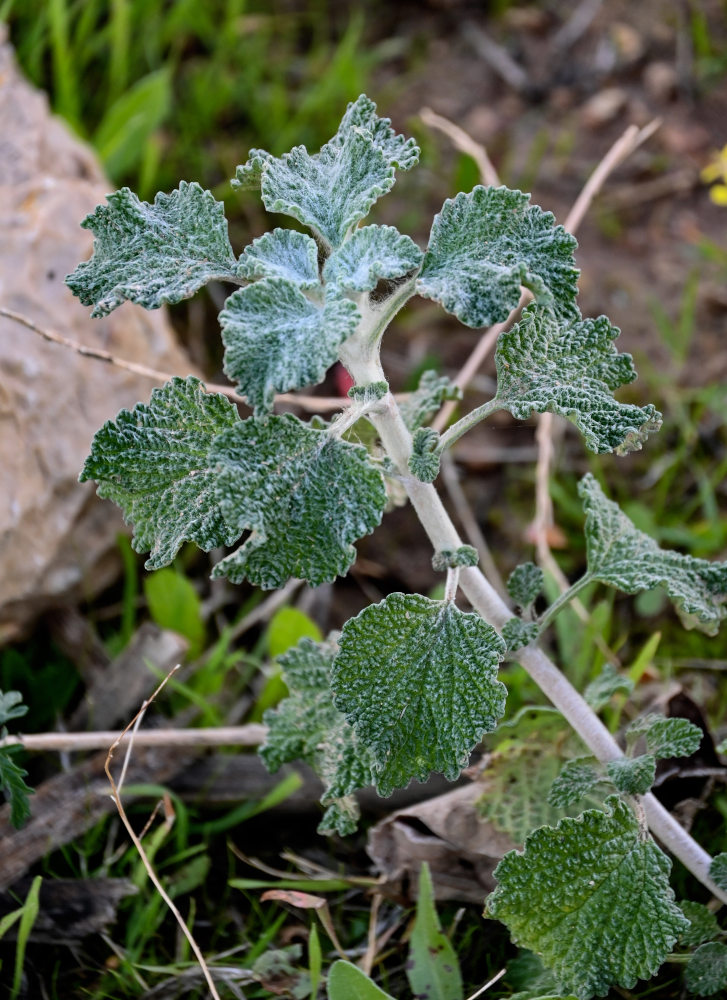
249	175
277	339
424	458
668	737
287	627
307	726
703	924
571	369
304	495
283	253
592	897
154	463
427	398
332	190
518	633
418	679
706	974
577	778
372	253
608	683
152	254
13	786
527	754
175	604
525	583
11	706
486	244
348	982
464	555
125	128
718	870
624	557
633	776
433	968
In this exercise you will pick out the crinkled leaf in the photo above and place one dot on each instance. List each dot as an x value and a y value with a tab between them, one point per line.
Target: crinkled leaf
426	399
527	754
418	679
283	253
372	253
463	555
633	776
718	871
592	897
154	463
151	254
11	706
669	737
424	458
13	786
703	924
572	369
348	982
624	557
332	190
307	726
706	973
518	633
525	583
608	683
304	495
577	778
486	244
276	339
433	967
248	175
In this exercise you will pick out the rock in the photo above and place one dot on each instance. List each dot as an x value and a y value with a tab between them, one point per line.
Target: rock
56	538
603	107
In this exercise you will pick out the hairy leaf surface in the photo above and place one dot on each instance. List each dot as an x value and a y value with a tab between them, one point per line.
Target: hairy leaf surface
525	583
703	924
13	786
304	495
372	253
706	974
518	633
592	897
668	737
577	778
572	369
633	776
418	679
283	253
423	403
154	463
307	726
624	557
486	244
152	254
608	683
718	870
332	190
276	339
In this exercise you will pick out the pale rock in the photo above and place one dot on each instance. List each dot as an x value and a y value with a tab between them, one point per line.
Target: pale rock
604	107
57	540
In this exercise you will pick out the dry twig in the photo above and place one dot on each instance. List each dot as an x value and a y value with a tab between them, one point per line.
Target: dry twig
250	735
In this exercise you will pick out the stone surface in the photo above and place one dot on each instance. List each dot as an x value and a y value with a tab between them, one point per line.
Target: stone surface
57	541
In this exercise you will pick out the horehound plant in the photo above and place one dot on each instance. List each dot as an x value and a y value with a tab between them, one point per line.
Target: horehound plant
410	685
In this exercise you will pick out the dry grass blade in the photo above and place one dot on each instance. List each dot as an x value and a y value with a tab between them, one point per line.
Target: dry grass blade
464	142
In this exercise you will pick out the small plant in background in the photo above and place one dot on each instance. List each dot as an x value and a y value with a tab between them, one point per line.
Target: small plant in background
410	685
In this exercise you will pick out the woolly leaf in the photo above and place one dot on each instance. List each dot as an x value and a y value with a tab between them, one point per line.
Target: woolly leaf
624	557
331	190
464	555
633	776
249	175
577	778
525	584
424	458
718	871
703	924
592	897
13	786
154	463
11	706
433	968
348	982
307	726
486	244
151	254
426	399
608	683
283	253
668	737
276	339
418	679
571	369
372	253
304	495
706	973
518	633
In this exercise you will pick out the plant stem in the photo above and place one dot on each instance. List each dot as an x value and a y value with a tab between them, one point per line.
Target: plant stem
455	432
565	598
435	520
